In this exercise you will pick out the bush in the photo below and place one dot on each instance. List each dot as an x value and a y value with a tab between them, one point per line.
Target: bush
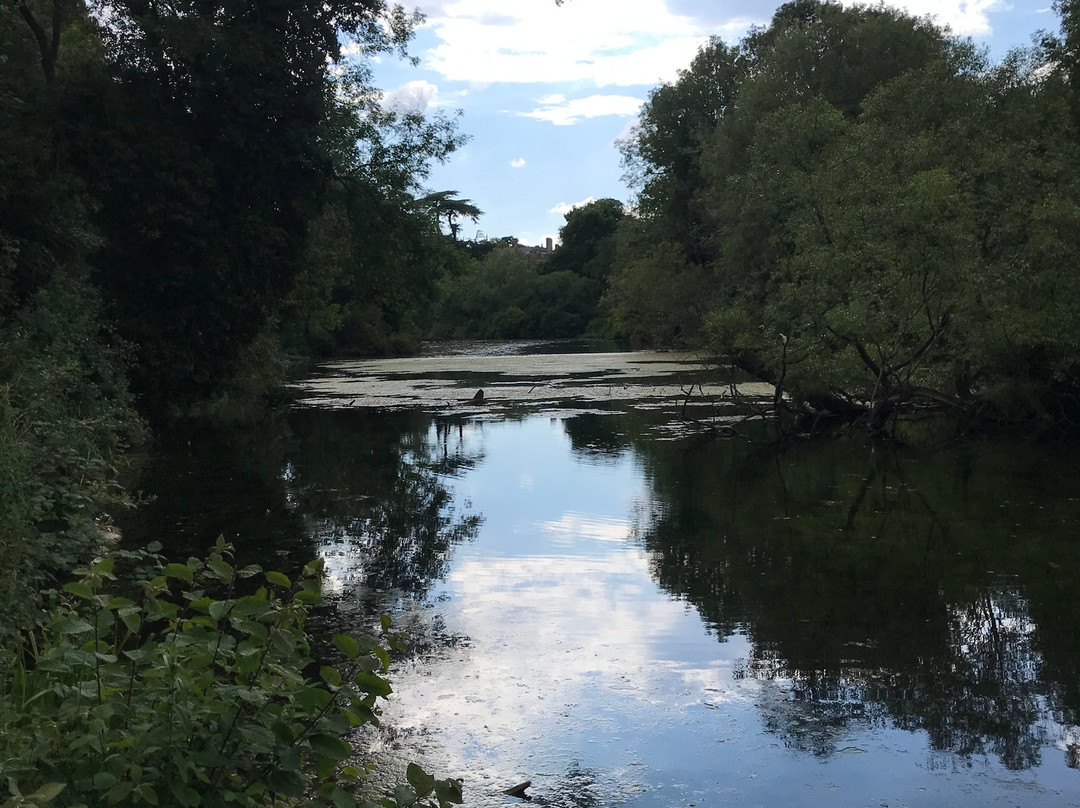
187	693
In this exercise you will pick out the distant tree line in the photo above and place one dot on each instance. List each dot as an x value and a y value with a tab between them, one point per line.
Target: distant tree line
504	292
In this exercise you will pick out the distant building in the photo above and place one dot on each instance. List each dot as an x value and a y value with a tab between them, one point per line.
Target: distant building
545	249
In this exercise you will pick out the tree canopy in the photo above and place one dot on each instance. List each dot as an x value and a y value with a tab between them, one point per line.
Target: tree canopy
863	211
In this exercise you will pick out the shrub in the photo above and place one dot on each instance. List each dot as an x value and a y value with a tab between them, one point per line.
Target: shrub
181	691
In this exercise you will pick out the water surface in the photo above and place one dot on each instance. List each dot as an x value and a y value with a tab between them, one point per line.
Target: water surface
627	609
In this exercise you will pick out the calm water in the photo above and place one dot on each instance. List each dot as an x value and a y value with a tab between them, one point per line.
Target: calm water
629	615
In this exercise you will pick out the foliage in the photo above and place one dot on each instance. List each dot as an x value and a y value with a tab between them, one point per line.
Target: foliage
858	209
507	295
65	410
587	240
443	203
188	692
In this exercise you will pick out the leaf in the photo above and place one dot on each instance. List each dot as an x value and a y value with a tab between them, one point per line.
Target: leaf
286	783
330	675
449	791
347	645
181	571
73	625
47	793
283	642
404	796
341	798
186	795
222	570
385	621
422	782
382	656
79	589
329	746
313	698
119	792
278	579
370	683
131	617
103	565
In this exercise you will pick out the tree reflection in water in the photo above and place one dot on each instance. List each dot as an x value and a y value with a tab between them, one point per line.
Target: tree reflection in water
930	591
374	494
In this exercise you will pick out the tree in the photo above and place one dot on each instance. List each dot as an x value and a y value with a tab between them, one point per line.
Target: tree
587	240
876	214
443	204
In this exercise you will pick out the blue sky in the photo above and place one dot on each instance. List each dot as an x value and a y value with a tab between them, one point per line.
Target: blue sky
547	90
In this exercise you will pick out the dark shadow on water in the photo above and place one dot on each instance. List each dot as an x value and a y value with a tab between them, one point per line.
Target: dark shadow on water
935	591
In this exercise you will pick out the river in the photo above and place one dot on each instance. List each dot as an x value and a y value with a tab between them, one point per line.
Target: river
614	592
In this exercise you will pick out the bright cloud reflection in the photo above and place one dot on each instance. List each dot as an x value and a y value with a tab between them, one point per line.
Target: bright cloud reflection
564	650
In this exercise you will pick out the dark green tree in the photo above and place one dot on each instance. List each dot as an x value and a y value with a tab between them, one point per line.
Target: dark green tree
444	204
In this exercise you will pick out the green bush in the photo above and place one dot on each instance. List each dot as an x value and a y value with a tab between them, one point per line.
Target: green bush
182	691
65	420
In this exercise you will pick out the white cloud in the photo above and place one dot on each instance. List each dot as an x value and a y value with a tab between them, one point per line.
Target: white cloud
606	42
518	163
563	208
562	112
612	42
415	96
964	17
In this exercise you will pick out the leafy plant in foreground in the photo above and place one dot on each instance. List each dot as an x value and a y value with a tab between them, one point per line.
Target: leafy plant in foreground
189	693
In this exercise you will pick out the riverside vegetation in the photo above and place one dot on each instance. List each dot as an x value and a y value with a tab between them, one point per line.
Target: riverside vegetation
849	204
170	177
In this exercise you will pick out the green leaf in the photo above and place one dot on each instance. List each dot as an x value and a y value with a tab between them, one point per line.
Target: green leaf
73	625
286	783
449	791
330	675
103	565
222	570
181	571
404	796
386	622
186	795
219	608
131	618
313	698
370	683
278	579
283	642
341	798
147	792
422	782
329	746
382	656
347	645
79	589
119	792
47	793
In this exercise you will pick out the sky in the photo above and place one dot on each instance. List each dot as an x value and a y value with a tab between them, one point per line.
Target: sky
546	91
